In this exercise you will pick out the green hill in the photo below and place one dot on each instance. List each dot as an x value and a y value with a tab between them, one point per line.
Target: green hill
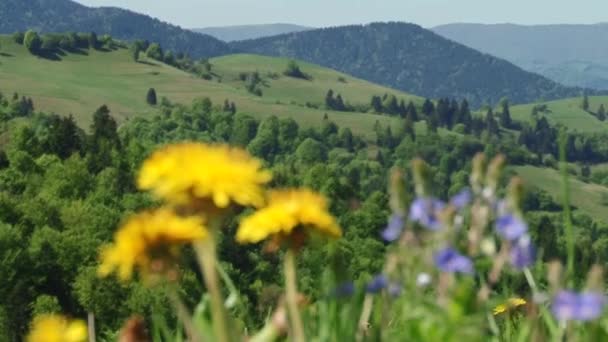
567	112
79	83
588	198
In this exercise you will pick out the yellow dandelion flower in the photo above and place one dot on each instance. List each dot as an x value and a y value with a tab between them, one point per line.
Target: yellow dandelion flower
510	304
147	241
286	211
52	328
182	172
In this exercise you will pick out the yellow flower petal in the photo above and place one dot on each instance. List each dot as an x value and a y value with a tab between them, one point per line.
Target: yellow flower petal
182	172
53	328
144	234
287	210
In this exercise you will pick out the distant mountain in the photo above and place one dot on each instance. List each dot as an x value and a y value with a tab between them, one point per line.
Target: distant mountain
66	15
243	32
574	55
413	59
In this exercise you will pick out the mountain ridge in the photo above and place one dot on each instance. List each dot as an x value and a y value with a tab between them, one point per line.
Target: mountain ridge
556	51
245	32
410	58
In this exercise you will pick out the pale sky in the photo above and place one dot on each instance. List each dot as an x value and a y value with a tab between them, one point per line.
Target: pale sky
321	13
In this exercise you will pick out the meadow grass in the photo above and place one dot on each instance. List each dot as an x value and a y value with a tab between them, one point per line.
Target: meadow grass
567	112
586	197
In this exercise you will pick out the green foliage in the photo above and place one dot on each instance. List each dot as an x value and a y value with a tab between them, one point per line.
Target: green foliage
293	70
32	41
154	51
18	37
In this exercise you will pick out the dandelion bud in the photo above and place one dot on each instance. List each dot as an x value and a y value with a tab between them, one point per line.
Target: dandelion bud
477	173
494	171
134	330
554	275
423	280
516	192
398	197
488	247
421	176
595	278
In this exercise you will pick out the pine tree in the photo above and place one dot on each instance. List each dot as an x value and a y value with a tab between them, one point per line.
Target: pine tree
339	103
601	113
491	124
585	103
505	115
412	113
376	104
329	99
428	108
151	97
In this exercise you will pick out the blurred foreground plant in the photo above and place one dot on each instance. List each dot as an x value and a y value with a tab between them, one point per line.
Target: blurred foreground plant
443	276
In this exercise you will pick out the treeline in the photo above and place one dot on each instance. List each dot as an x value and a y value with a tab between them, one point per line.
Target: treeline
200	67
53	42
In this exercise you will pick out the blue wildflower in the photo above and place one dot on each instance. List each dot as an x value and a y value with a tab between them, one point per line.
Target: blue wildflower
511	227
345	289
461	199
394	228
449	260
425	211
377	284
523	253
586	306
394	289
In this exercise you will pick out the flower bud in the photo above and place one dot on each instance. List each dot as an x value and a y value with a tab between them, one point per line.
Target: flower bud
595	278
398	196
422	176
477	172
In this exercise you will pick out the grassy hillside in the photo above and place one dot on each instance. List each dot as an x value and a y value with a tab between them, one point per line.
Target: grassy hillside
586	197
567	112
79	83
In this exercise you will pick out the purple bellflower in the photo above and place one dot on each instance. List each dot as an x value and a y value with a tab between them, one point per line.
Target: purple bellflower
523	253
449	260
425	212
511	227
586	306
394	228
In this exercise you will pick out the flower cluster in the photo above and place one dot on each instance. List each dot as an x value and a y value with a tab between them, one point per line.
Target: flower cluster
52	328
149	242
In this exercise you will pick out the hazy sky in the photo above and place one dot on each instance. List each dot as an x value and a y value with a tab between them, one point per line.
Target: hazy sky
202	13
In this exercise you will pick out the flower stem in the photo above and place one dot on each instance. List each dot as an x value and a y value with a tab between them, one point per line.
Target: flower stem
184	315
206	253
292	296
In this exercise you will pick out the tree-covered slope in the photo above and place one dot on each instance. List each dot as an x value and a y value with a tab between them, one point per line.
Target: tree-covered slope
570	54
410	58
66	15
243	32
